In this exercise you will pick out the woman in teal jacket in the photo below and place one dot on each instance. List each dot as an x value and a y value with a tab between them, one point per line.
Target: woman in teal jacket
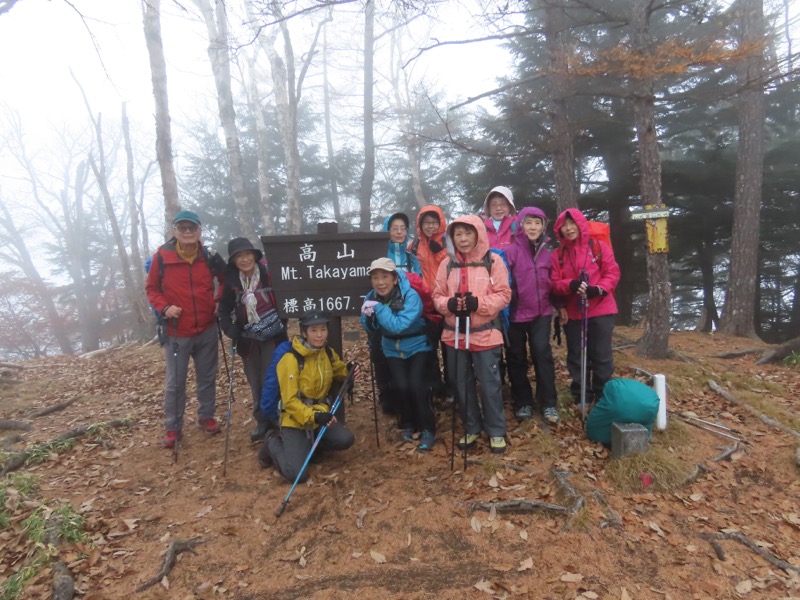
393	310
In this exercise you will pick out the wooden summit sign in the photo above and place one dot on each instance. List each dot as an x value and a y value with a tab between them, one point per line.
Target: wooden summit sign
322	272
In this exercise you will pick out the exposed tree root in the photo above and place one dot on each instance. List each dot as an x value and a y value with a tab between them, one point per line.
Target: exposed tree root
7	424
577	505
7	443
612	518
8	365
18	460
699	469
739	353
63	583
175	548
505	465
516	506
762	417
743	539
56	408
778	353
726	454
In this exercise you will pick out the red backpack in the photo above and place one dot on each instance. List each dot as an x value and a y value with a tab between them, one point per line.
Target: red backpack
428	309
598	232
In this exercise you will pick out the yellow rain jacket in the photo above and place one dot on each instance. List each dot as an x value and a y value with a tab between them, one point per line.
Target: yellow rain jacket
305	392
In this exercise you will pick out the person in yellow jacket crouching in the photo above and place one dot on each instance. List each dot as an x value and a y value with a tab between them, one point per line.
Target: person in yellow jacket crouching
309	376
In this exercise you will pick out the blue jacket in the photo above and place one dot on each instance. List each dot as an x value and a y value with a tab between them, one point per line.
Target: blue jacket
400	254
403	331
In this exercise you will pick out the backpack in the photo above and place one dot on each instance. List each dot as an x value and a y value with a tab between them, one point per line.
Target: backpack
502	320
271	390
598	232
623	401
428	309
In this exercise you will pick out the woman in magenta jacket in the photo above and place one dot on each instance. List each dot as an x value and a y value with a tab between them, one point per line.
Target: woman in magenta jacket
585	273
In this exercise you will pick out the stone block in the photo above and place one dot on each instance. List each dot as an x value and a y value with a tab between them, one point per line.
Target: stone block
628	438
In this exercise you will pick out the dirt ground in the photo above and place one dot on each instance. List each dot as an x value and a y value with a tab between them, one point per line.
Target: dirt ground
388	522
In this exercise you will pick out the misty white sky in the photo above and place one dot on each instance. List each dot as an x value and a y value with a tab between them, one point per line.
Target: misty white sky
41	40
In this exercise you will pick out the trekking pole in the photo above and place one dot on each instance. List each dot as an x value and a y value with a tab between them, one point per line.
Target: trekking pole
230	403
347	382
222	345
469	319
374	400
585	345
175	356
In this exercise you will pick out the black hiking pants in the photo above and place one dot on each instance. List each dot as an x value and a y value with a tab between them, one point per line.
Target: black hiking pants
536	336
600	357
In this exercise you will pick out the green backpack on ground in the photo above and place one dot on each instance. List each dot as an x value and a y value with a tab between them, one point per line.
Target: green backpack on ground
623	401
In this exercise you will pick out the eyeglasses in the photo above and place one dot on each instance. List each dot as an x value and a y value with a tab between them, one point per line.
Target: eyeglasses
186	227
398	228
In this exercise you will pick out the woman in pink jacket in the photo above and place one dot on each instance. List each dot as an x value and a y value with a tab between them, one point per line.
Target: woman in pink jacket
585	273
500	213
472	287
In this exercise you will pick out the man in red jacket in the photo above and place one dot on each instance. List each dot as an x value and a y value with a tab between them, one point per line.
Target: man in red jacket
180	286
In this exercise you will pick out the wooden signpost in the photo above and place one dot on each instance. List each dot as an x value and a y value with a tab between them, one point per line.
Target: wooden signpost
326	271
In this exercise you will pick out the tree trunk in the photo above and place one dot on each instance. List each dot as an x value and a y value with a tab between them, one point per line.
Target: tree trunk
217	26
16	239
738	316
655	341
262	152
705	254
133	208
332	170
402	108
368	174
136	298
560	139
158	75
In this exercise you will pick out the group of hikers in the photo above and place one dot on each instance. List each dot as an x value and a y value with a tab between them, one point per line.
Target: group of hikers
481	292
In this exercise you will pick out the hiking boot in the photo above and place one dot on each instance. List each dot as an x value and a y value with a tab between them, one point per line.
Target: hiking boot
260	431
497	444
170	439
264	457
524	413
210	426
426	440
468	441
551	415
407	435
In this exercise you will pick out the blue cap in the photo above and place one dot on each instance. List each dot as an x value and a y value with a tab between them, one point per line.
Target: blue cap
186	215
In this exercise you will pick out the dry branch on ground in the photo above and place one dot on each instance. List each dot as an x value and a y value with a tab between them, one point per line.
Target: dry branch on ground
171	557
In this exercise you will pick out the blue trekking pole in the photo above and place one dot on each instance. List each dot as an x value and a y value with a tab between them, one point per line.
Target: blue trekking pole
342	391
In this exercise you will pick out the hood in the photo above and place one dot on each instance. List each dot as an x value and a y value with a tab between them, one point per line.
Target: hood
480	249
403	216
303	349
580	221
502	190
530	211
442	226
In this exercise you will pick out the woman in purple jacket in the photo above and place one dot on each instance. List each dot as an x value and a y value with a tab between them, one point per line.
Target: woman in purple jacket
529	262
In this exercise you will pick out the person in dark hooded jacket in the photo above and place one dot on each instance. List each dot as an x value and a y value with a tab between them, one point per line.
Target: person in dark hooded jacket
530	316
585	274
247	301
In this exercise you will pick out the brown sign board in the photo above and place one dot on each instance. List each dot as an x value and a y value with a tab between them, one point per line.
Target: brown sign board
322	272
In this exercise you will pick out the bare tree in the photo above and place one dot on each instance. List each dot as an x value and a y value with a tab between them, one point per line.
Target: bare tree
217	25
738	315
14	251
288	87
368	174
133	208
158	75
262	141
326	100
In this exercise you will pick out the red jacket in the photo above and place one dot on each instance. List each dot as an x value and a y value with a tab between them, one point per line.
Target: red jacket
188	285
600	266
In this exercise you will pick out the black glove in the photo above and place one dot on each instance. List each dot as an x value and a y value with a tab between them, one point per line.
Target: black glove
471	302
452	304
593	291
322	418
574	285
